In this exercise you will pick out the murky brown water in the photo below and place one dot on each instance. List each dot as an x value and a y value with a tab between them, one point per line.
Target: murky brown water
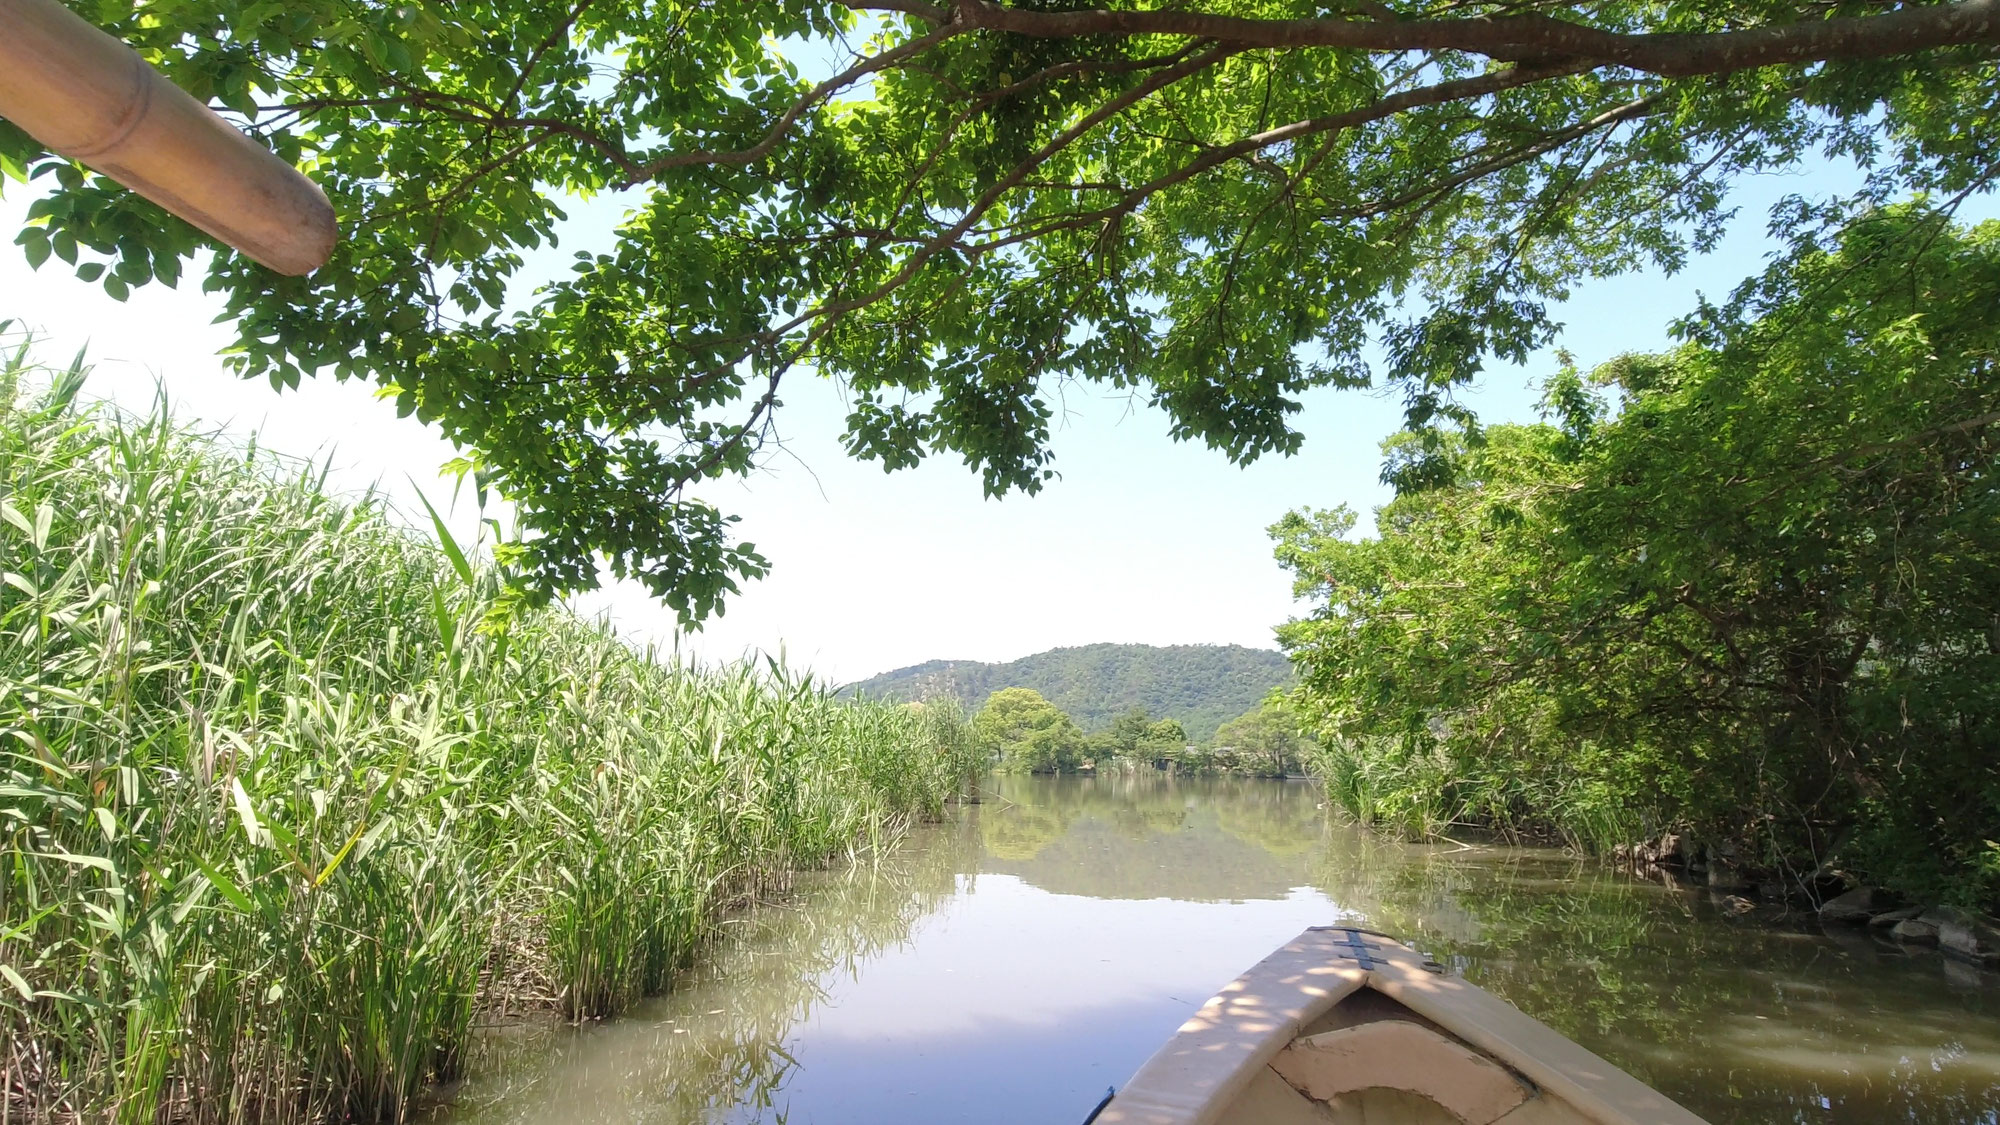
1008	967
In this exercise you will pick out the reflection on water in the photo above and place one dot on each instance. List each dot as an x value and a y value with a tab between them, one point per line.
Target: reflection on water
1009	966
1741	1018
1142	837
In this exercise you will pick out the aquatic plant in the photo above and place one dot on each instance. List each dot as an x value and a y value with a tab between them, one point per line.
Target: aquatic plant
285	802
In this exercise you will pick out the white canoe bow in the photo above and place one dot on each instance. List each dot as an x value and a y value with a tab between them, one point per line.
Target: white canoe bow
1344	1026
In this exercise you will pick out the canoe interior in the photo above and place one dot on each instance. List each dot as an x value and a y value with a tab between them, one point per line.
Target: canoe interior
1345	1026
1372	1061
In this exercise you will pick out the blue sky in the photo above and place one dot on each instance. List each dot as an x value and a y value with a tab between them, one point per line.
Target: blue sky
1142	540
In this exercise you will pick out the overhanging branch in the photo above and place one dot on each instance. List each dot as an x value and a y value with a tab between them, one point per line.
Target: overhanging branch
1510	37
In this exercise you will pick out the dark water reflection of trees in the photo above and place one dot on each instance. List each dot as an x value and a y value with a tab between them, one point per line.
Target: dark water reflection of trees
1140	836
1743	1018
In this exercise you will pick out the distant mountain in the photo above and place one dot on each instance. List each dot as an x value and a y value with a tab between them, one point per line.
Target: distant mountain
1203	686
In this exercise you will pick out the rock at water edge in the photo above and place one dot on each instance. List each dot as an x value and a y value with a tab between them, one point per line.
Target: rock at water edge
1856	906
1966	935
1915	931
1885	920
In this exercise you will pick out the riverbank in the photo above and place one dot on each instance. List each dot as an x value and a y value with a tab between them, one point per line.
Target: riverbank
288	803
1386	794
1832	896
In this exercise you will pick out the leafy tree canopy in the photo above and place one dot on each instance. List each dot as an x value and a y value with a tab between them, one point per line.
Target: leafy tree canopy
1265	741
1212	204
1029	733
1136	734
1761	599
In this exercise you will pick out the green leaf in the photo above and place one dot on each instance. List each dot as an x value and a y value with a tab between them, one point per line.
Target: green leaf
224	886
81	860
340	856
252	829
445	541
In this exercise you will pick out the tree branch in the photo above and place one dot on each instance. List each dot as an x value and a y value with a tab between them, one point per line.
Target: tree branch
1443	92
1513	37
885	60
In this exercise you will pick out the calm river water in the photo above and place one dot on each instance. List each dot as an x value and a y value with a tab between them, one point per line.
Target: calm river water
1007	967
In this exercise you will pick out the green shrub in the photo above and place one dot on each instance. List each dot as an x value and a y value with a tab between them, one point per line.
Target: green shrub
1759	603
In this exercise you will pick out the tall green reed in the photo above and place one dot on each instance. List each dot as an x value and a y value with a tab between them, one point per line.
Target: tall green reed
282	809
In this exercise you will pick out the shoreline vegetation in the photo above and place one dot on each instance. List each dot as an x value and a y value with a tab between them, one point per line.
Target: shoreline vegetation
287	805
1019	731
1737	604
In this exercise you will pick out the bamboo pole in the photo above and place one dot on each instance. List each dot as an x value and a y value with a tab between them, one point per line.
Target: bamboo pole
91	98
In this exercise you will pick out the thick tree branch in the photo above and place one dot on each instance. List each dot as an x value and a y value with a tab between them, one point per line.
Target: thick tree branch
1527	36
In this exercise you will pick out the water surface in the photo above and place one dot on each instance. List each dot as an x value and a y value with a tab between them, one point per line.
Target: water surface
1010	965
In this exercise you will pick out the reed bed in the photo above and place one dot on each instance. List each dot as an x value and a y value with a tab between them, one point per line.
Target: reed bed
284	809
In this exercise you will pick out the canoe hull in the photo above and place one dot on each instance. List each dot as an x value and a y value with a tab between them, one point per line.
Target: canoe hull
1345	1026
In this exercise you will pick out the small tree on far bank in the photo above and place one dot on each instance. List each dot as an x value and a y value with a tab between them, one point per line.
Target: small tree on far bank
1029	733
1140	737
1265	741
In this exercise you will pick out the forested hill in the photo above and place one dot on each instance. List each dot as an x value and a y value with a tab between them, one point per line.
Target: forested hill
1203	686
